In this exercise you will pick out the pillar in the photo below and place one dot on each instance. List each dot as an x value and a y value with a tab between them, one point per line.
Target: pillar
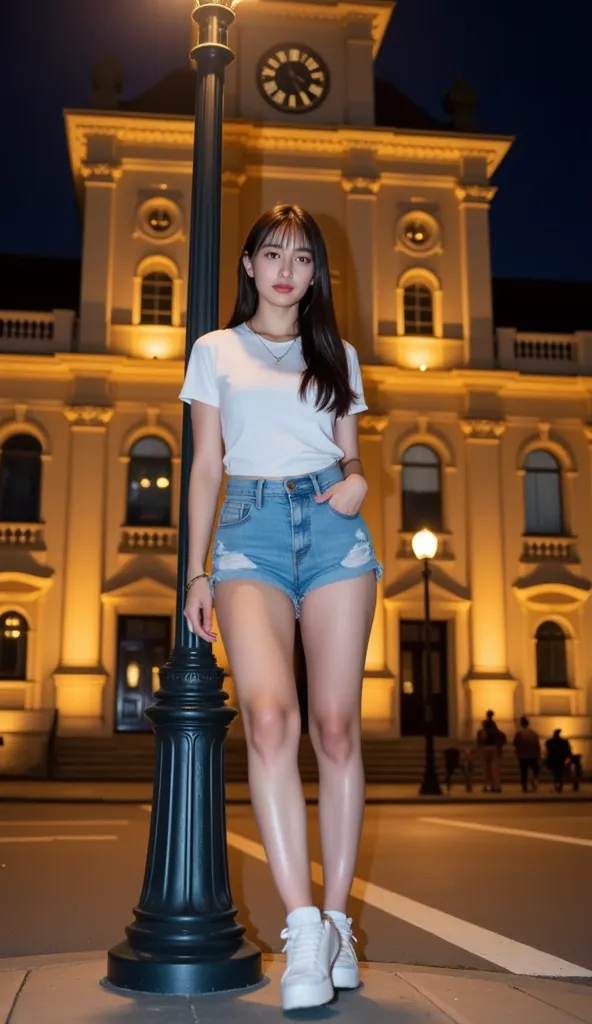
359	75
477	303
100	183
80	677
360	220
489	681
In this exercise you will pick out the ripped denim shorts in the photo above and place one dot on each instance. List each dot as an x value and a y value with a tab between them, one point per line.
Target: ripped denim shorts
273	531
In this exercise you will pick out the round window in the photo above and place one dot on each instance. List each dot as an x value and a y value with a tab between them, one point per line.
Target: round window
419	232
159	219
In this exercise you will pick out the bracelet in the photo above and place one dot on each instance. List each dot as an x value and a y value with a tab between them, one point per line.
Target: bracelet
195	578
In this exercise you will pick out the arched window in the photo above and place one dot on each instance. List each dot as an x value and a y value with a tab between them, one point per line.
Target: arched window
156	305
13	646
542	494
418	309
551	655
422	491
20	479
149	483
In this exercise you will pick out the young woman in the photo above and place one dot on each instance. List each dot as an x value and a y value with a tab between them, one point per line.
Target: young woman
274	399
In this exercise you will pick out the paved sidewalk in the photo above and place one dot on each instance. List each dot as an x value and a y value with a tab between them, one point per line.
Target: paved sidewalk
37	790
70	989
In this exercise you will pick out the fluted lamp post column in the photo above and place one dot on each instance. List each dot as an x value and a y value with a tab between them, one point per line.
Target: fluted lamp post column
425	546
185	938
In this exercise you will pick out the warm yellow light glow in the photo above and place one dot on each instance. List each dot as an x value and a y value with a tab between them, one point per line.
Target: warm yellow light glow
424	544
13	621
423	367
155	678
144	482
162	482
132	674
12	634
157	343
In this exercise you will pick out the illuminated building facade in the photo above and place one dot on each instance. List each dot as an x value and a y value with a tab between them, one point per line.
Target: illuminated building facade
480	429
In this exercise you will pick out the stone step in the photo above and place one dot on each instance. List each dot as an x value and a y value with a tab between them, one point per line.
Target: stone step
130	757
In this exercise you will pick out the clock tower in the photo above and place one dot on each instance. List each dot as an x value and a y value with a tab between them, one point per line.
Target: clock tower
306	62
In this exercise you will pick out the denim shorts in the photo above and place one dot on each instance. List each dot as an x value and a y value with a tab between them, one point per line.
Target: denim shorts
274	531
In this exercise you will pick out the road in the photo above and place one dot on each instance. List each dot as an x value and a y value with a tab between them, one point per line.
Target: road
486	887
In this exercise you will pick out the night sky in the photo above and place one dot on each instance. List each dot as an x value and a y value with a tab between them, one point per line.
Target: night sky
529	61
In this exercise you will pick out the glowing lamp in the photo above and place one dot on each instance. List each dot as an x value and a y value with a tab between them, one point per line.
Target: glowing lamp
424	544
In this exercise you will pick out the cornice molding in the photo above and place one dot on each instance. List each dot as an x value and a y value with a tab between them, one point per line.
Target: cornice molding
176	133
482	430
88	415
475	195
376	16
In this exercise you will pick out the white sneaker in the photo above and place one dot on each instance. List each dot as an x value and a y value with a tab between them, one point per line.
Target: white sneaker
312	945
346	971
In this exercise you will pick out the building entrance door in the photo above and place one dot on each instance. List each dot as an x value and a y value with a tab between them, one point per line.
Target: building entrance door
412	682
143	646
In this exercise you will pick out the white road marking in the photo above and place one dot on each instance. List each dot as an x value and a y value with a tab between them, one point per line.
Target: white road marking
52	839
527	833
67	823
515	957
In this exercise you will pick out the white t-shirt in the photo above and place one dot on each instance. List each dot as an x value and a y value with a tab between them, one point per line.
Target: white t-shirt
268	430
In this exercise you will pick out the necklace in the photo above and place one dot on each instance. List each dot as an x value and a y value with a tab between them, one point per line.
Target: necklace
278	359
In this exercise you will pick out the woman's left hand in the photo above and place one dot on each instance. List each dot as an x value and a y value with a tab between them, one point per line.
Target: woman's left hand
347	495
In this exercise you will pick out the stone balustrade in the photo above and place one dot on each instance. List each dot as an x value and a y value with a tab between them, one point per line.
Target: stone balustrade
160	540
37	332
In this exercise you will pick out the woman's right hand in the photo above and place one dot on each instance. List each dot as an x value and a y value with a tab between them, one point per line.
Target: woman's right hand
198	609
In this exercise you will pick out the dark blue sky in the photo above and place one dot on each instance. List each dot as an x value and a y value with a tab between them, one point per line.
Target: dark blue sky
529	61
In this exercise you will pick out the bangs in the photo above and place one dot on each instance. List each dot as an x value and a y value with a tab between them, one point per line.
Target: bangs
286	232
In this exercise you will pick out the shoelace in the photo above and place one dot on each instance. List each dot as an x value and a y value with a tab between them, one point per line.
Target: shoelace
304	943
346	936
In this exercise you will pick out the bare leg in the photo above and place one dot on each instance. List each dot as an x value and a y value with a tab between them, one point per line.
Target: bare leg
335	623
257	624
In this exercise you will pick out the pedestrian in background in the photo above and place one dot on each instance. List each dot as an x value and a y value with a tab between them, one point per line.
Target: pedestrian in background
491	740
558	756
528	751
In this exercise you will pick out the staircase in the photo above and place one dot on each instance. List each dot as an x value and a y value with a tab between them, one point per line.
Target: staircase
129	757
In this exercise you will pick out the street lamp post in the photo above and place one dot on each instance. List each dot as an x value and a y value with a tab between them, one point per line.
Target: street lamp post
425	546
185	938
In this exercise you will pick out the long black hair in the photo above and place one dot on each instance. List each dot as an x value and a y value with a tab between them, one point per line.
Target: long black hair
322	348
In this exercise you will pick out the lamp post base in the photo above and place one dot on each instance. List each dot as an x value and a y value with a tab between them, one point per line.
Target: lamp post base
430	785
138	972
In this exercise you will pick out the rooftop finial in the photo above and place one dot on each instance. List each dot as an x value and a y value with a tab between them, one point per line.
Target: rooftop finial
461	103
107	81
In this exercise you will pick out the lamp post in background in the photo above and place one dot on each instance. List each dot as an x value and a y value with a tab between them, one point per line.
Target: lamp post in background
185	939
425	546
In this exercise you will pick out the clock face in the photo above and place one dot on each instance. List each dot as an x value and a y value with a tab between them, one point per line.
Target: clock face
293	78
